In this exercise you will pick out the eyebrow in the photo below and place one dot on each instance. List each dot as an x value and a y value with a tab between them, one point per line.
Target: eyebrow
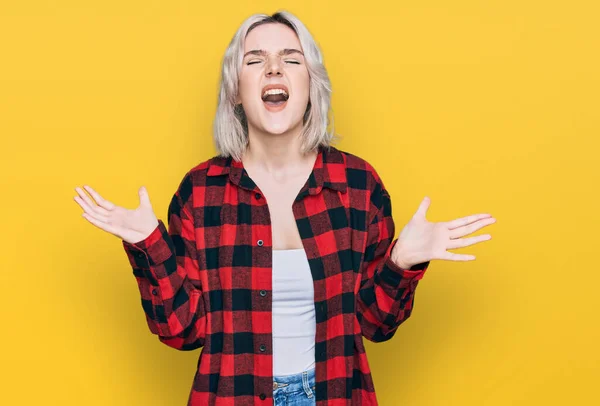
262	52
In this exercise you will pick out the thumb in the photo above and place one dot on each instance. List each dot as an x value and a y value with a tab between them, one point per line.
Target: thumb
144	198
423	207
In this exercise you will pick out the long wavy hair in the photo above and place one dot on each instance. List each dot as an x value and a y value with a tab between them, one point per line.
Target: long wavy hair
230	127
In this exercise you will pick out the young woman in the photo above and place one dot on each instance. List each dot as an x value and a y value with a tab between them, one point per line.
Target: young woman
278	258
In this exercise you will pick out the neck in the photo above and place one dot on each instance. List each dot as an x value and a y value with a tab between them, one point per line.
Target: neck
277	154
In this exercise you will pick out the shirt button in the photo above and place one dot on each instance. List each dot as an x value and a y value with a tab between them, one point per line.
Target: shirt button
263	292
262	396
139	254
257	195
154	292
260	243
263	348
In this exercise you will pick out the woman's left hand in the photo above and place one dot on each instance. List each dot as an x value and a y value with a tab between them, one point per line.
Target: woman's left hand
421	241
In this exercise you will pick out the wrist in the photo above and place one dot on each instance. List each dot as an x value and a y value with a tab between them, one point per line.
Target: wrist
400	257
401	261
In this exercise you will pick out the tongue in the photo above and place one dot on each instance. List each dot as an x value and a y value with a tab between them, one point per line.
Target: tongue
274	98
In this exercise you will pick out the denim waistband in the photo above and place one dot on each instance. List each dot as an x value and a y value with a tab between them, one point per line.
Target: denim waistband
304	380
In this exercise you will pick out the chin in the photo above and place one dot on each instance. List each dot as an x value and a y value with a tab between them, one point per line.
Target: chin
278	125
276	128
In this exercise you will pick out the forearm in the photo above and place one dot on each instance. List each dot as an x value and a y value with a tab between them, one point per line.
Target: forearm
386	295
170	299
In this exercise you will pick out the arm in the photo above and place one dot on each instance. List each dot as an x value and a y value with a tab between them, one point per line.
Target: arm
386	294
162	263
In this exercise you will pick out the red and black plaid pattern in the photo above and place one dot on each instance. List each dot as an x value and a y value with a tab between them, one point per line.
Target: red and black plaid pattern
206	282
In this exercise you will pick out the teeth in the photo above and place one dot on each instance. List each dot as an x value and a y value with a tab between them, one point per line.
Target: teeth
274	91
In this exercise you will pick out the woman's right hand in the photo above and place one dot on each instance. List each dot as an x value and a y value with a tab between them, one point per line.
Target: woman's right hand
129	225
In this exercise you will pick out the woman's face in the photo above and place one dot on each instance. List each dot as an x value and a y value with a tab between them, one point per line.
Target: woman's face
274	80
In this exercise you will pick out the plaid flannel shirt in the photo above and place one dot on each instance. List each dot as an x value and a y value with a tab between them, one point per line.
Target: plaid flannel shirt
206	281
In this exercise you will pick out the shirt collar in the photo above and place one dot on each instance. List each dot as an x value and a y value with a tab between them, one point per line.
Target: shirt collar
328	171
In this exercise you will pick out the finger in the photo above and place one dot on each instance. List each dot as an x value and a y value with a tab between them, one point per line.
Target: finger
471	228
89	210
91	204
465	242
450	256
466	220
99	199
100	224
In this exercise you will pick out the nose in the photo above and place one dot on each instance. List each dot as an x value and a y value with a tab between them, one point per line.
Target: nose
274	67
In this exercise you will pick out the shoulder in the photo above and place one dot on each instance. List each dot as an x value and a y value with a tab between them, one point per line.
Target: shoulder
361	174
207	167
216	165
366	188
199	176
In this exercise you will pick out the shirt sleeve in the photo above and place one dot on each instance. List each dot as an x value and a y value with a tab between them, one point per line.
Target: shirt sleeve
162	264
386	294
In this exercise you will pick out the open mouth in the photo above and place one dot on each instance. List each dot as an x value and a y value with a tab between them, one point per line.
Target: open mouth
275	97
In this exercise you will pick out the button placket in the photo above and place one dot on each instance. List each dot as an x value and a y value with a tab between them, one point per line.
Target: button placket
263	293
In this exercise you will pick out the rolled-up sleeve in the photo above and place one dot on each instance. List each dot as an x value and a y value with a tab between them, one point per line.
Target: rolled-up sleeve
161	264
386	294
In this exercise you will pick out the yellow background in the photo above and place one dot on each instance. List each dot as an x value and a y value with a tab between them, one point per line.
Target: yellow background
485	106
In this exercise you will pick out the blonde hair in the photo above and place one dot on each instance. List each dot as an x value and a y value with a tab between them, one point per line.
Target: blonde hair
230	127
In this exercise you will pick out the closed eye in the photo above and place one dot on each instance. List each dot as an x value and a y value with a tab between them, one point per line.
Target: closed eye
255	62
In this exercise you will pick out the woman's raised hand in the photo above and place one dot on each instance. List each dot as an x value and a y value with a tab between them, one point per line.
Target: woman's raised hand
129	225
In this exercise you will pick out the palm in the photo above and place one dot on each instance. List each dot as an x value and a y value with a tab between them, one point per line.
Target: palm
421	240
421	236
130	225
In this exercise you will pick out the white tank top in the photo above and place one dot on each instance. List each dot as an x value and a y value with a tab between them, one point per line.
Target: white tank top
294	324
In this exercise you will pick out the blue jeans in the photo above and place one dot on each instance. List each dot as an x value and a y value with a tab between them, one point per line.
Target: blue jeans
295	390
